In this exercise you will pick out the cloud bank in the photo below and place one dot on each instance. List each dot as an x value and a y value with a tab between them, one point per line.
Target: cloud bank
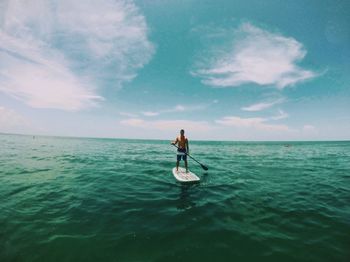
55	54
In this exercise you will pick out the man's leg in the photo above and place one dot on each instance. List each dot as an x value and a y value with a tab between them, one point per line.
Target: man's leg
178	158
186	166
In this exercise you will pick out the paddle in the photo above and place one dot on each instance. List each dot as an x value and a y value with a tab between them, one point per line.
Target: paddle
203	166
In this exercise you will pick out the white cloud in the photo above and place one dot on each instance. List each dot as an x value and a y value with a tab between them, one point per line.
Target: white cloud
177	108
254	123
256	56
135	122
168	124
150	113
183	108
44	84
281	115
128	114
261	106
53	54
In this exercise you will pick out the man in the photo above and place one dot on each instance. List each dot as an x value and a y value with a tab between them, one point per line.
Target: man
182	149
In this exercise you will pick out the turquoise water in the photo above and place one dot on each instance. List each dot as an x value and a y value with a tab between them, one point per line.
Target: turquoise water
71	199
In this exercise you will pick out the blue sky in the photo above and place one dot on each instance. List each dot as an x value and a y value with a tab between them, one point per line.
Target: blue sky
222	70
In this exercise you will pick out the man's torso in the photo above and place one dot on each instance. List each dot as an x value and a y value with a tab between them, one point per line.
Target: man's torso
182	140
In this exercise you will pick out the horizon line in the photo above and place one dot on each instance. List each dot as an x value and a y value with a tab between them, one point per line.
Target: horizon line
155	139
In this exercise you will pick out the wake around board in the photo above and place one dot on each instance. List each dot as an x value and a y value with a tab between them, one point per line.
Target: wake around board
184	177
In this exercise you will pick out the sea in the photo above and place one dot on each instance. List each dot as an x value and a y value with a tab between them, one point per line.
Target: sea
93	199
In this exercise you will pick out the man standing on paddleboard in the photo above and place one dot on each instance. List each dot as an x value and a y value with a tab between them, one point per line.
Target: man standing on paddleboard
182	149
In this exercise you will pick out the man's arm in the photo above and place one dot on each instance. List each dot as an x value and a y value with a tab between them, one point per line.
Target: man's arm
175	142
187	147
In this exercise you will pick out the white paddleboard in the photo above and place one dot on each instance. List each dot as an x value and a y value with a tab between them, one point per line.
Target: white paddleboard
184	177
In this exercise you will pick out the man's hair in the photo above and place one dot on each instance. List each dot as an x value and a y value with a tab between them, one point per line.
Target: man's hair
182	131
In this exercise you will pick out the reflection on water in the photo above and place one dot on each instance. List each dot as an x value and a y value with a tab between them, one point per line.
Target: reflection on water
186	198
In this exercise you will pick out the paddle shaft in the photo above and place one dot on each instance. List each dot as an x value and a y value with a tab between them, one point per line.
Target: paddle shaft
203	166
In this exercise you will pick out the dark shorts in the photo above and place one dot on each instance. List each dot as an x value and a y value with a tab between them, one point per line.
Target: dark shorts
181	153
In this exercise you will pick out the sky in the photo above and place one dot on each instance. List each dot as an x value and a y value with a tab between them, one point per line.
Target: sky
222	70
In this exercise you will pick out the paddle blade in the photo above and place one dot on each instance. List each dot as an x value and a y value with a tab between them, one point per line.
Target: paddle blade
204	167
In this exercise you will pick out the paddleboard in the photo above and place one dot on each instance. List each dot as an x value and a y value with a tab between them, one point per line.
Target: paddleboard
184	177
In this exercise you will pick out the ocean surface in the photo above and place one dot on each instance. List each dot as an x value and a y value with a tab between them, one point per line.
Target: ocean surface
84	199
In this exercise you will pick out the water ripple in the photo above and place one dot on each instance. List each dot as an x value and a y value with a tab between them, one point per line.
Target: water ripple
116	200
